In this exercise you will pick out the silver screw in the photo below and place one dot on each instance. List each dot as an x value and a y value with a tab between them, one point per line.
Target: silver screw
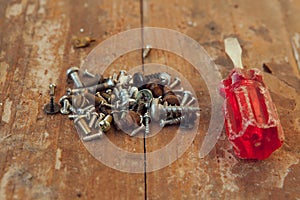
181	90
65	109
93	137
52	89
72	73
100	118
88	74
175	83
147	50
85	109
186	96
86	116
79	121
177	120
93	119
137	130
191	102
147	119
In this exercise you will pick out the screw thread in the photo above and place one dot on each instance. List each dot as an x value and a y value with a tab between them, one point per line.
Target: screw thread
52	104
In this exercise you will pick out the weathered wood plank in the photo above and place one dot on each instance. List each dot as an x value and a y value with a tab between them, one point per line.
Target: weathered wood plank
260	27
44	158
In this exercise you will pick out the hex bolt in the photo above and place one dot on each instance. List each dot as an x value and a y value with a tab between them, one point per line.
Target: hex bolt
147	119
93	119
88	74
147	50
81	123
186	96
93	137
175	83
177	120
191	102
72	73
137	130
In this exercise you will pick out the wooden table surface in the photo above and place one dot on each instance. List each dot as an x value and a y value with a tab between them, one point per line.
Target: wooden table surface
42	157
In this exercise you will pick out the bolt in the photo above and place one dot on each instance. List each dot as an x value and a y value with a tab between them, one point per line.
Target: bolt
88	74
186	96
147	50
137	130
191	102
93	137
79	121
175	83
147	119
93	119
72	73
177	120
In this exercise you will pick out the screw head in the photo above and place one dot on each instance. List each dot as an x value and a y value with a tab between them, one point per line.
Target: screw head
72	70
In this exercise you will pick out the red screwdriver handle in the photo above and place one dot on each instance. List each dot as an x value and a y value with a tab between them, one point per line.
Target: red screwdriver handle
251	120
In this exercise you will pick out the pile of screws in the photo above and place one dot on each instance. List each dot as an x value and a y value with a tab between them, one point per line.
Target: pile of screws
130	102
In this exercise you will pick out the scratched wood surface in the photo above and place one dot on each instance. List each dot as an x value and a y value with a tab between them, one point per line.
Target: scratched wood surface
41	157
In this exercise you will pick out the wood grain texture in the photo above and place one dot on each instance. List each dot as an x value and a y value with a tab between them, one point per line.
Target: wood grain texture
41	157
261	27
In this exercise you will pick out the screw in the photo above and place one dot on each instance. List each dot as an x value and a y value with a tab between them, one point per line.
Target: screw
64	101
191	102
93	137
72	73
147	119
88	74
181	90
52	108
100	118
147	50
70	91
82	125
105	123
157	110
176	82
52	89
93	119
85	109
137	130
186	95
177	120
87	116
163	77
